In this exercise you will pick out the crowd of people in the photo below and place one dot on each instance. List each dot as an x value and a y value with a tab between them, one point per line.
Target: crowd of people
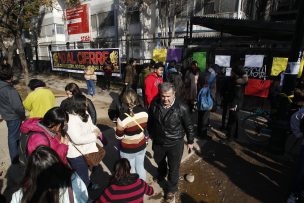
60	141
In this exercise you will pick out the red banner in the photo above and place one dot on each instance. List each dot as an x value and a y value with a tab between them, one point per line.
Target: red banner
259	88
78	20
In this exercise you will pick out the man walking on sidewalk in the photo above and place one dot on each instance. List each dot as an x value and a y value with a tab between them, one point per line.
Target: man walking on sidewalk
11	110
169	120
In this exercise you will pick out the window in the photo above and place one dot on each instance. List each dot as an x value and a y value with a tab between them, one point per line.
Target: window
134	17
106	19
209	7
94	22
59	29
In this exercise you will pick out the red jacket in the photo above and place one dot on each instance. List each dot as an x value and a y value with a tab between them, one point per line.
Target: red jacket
151	87
32	124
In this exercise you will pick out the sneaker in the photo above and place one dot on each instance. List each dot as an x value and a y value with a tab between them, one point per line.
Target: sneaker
292	199
170	197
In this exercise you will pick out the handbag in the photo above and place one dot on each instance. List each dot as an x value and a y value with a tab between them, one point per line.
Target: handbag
94	158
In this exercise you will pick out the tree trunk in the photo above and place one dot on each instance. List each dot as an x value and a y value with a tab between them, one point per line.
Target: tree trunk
22	58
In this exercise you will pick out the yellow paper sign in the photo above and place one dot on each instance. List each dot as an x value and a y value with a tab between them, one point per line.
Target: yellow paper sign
278	65
160	55
301	68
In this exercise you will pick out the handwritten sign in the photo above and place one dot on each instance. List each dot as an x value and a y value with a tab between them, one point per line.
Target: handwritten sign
254	61
301	68
160	55
256	72
222	60
278	65
174	55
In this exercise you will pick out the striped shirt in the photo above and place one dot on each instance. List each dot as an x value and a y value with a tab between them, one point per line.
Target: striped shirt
131	135
126	193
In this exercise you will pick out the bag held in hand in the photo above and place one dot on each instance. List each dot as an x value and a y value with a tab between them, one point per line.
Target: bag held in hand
93	159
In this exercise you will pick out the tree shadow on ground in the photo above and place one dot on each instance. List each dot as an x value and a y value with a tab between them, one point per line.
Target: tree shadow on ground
185	198
257	178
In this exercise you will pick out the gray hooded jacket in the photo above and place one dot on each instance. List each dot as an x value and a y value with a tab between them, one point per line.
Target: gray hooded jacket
11	107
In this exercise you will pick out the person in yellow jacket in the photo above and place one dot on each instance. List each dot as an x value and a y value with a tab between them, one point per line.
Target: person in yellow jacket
40	100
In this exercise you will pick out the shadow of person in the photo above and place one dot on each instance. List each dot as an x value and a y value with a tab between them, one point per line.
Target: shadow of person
256	179
102	179
14	176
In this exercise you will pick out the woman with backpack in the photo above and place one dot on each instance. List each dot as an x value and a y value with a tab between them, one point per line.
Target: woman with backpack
49	180
71	90
206	85
48	131
130	129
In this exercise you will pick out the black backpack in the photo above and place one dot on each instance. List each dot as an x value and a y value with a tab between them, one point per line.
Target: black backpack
23	142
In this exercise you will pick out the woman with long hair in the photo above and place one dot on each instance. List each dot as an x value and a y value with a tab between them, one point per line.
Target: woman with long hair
83	135
71	90
130	130
47	179
48	131
125	186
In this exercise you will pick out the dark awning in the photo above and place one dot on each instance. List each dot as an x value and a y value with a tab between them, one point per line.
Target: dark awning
239	27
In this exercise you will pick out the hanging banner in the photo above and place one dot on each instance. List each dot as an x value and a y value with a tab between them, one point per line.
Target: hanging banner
174	55
254	61
78	23
76	60
200	57
160	55
278	65
222	60
259	88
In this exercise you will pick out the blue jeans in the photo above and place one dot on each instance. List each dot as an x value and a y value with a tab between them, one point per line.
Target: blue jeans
91	87
81	168
137	162
13	138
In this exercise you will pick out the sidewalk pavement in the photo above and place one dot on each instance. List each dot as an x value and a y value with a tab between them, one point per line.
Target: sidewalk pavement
102	101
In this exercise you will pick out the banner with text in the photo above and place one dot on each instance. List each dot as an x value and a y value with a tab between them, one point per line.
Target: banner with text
76	60
160	55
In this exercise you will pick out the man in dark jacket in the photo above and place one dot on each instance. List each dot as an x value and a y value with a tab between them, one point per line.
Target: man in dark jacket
11	110
168	122
239	81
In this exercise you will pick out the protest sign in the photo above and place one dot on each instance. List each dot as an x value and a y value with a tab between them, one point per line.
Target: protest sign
200	57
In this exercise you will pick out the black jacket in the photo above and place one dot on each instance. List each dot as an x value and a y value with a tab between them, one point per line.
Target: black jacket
11	107
169	129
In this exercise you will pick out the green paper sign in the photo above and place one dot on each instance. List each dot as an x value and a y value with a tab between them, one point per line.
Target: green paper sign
200	57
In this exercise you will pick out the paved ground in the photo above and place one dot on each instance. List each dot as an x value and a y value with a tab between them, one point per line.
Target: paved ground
11	173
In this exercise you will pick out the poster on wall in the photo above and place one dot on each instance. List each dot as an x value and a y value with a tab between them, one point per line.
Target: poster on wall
76	60
160	55
174	55
259	88
222	60
256	72
78	23
254	61
279	65
200	57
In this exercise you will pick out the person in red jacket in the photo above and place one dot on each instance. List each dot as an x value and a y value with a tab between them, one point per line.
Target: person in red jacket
52	127
152	81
